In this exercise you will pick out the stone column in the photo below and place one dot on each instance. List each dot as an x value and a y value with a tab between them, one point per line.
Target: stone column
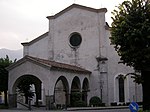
49	102
84	96
67	99
0	99
12	103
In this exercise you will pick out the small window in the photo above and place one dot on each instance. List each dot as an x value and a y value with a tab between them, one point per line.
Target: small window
75	40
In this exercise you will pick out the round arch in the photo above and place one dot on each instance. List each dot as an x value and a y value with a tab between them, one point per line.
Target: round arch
85	85
34	81
61	92
121	88
85	89
76	94
76	85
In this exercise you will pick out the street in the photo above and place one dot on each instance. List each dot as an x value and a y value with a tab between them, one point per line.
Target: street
104	110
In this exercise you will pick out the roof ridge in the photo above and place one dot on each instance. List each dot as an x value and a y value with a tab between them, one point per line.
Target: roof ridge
36	39
78	6
55	64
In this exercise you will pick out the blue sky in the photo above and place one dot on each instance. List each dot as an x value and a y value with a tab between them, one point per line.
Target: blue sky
24	20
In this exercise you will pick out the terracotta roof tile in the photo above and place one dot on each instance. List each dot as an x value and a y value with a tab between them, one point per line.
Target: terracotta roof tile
54	64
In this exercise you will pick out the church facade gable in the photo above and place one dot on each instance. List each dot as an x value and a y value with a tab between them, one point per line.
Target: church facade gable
37	47
78	43
88	24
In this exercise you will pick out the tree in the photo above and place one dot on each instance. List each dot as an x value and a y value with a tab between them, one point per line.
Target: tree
130	35
24	87
4	62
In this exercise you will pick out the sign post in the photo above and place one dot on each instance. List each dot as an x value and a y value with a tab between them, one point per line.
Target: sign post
133	107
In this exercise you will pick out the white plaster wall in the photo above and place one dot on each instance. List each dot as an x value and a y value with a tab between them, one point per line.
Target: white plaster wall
28	68
47	76
135	91
75	20
95	42
91	26
115	69
69	76
39	48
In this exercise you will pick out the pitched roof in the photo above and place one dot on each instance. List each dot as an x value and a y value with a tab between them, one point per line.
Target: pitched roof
49	64
77	6
35	40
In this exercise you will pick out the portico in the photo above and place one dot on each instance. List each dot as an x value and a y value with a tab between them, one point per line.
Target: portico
50	79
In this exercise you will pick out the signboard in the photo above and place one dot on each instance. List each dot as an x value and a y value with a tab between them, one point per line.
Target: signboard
133	107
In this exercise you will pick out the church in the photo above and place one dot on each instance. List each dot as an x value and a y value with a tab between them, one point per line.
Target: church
74	56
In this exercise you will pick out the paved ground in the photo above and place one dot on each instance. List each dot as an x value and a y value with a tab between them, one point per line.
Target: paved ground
90	109
107	110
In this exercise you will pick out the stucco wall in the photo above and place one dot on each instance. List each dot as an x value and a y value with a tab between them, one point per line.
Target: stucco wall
91	27
95	43
47	76
114	70
75	20
27	68
38	48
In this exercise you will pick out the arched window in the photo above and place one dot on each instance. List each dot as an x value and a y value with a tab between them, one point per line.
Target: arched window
121	89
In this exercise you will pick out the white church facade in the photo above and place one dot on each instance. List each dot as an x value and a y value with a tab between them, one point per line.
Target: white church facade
75	55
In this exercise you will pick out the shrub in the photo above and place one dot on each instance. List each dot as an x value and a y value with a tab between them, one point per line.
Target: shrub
3	106
102	104
113	104
146	111
140	111
75	98
80	103
95	101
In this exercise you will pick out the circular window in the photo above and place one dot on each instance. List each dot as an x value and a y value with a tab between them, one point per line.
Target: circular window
75	40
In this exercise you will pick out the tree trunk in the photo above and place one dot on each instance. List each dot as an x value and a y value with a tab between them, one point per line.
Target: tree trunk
26	99
146	92
5	96
37	104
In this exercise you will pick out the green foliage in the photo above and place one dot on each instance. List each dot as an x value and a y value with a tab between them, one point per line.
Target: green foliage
144	111
80	103
4	62
2	106
130	33
140	111
131	39
75	97
24	88
137	77
95	101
